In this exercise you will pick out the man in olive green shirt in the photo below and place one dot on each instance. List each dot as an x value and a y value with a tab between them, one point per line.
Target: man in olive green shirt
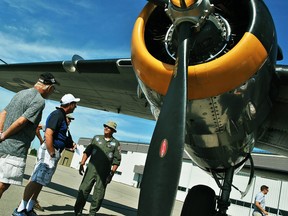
105	157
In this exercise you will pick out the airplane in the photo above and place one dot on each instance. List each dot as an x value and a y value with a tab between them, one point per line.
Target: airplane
206	71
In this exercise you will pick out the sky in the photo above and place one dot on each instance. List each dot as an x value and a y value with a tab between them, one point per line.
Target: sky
42	30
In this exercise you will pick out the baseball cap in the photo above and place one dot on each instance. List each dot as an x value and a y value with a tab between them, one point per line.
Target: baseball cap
111	124
48	79
68	98
70	116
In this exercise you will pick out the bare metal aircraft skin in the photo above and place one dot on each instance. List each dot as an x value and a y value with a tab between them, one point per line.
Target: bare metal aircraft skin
210	68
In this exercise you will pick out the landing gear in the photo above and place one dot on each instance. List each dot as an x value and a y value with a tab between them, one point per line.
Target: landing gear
201	199
223	202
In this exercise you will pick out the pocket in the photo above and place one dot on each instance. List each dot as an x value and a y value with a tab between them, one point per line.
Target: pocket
52	162
14	168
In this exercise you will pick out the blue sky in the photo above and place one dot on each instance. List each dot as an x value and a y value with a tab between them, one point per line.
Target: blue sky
55	30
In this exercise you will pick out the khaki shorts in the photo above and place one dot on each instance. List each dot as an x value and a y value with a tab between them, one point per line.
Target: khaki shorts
256	213
12	169
45	166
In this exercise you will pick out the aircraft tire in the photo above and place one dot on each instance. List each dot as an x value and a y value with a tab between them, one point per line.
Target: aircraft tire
200	200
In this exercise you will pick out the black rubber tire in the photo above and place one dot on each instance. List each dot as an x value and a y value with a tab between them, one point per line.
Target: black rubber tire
200	201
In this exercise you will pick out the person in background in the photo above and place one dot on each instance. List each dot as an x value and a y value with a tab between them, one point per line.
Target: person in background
69	119
18	123
259	204
105	157
56	139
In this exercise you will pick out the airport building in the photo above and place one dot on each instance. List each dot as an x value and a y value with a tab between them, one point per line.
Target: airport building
130	172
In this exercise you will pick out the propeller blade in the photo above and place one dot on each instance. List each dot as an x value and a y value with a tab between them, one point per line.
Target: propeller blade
164	158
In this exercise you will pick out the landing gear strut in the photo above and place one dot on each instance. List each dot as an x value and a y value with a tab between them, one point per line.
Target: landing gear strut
223	202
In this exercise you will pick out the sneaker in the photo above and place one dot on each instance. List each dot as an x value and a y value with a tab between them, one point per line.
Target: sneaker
22	213
31	213
38	207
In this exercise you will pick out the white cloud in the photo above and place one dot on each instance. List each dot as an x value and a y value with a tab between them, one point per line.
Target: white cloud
34	31
15	50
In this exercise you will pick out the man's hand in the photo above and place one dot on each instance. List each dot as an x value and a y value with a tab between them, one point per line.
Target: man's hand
109	178
74	147
53	155
2	137
81	169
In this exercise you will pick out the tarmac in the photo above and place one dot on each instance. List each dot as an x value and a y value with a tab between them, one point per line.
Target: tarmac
58	198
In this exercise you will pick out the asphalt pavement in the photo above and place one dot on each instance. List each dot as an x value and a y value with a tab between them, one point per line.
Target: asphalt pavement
58	198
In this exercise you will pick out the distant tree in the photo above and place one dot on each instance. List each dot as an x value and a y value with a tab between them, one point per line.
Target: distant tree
33	152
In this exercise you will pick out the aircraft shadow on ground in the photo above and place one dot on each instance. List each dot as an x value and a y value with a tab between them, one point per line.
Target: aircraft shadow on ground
113	206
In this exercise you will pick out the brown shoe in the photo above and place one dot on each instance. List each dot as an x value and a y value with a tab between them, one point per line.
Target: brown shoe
38	207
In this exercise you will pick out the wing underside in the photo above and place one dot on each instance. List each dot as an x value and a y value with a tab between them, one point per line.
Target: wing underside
107	85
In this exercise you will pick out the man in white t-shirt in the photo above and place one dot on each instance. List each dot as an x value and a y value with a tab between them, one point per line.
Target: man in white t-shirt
259	204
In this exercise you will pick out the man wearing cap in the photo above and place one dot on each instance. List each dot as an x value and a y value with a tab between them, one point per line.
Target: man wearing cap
18	123
105	157
56	139
69	141
71	145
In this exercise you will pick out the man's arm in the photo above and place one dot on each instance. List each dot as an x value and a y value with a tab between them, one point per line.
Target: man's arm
257	204
49	141
82	163
84	158
38	134
2	119
115	164
114	168
111	174
14	128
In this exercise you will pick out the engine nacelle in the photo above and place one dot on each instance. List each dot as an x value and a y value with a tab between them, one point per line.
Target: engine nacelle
229	76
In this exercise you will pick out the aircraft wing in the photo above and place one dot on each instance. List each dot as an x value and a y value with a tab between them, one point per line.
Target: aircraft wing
107	85
274	133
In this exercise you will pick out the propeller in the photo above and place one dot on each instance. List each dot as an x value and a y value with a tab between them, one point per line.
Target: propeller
164	158
161	3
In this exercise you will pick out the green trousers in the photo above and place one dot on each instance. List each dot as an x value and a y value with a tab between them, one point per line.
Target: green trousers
90	179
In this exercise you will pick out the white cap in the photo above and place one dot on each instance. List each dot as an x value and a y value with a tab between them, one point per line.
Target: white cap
68	98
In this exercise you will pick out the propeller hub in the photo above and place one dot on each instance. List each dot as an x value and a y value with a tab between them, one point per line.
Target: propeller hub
192	11
210	42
